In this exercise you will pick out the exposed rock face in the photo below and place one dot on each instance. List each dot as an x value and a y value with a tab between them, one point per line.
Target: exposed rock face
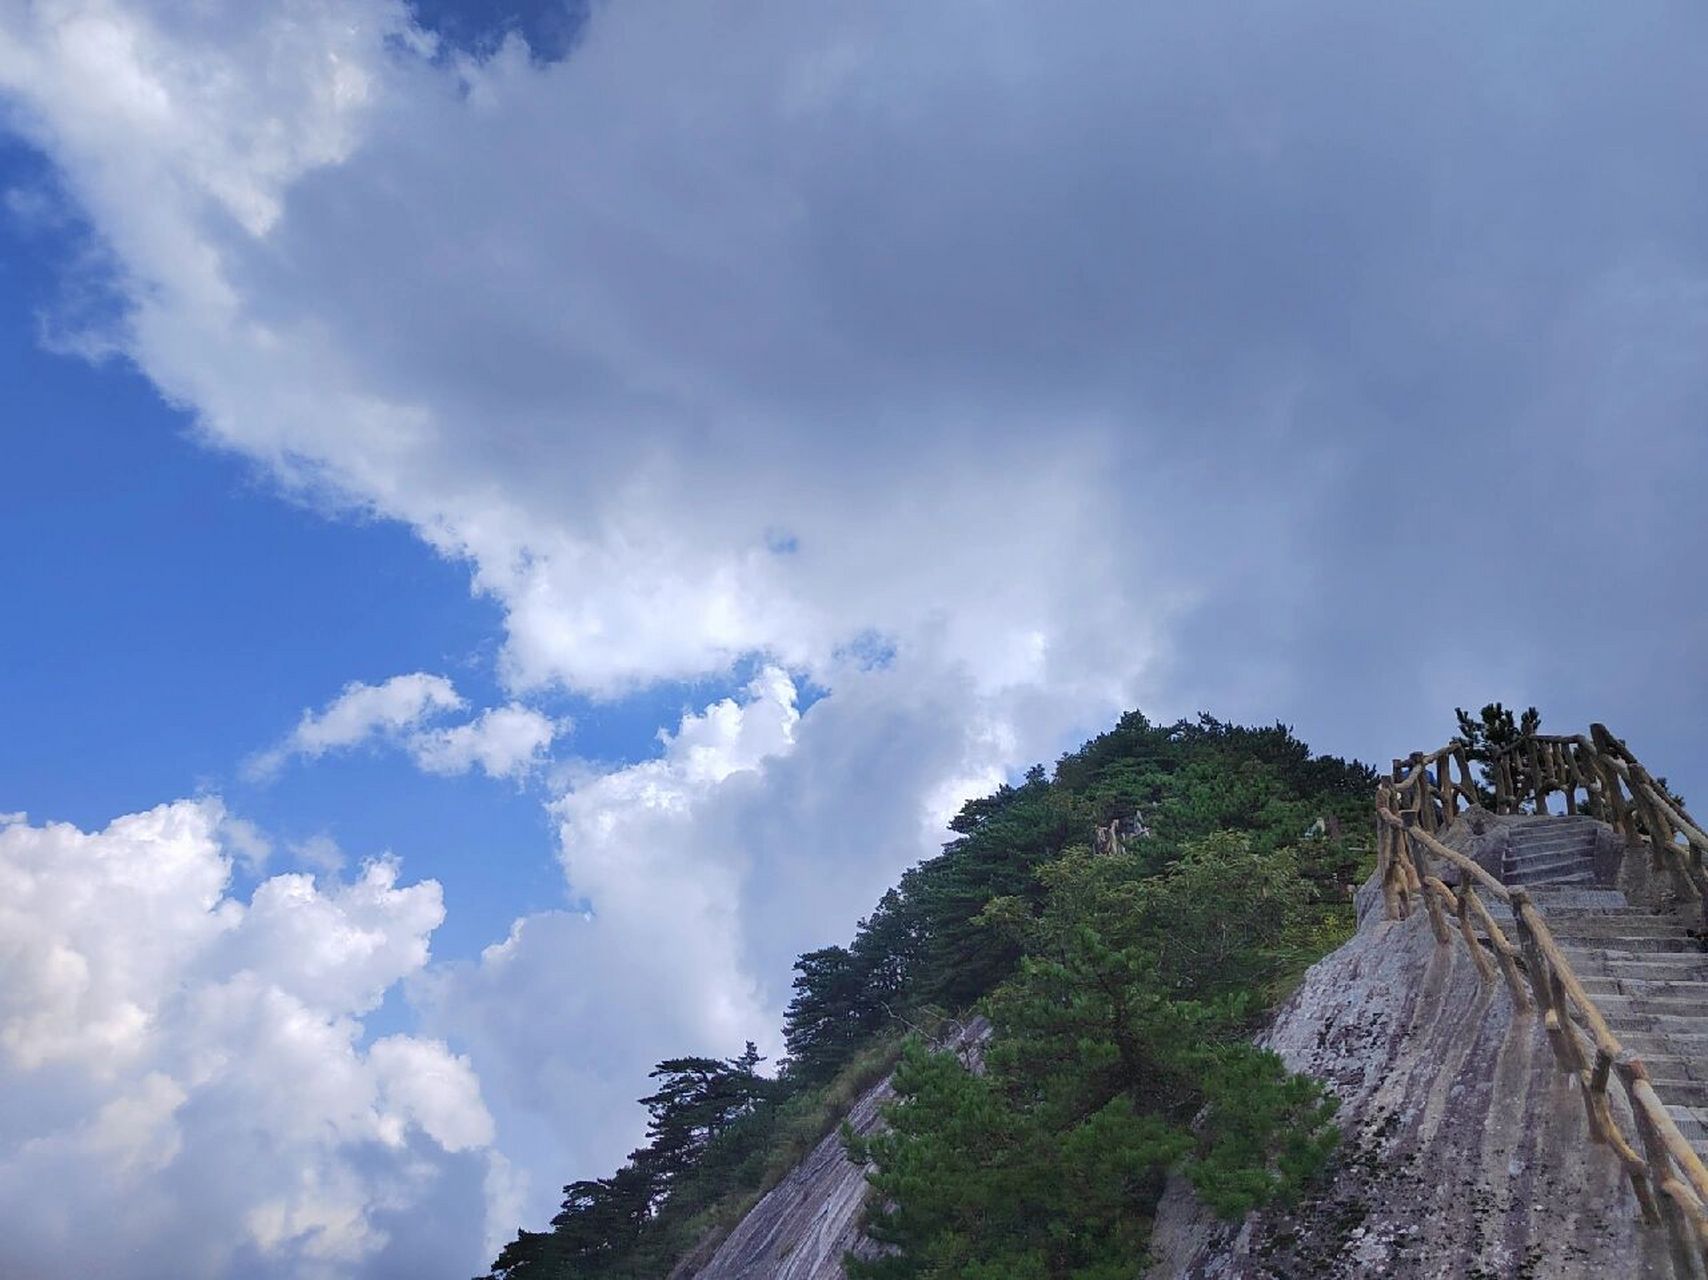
1465	1150
803	1226
1483	837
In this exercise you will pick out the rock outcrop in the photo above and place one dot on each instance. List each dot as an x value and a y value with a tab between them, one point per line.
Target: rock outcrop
802	1227
1465	1150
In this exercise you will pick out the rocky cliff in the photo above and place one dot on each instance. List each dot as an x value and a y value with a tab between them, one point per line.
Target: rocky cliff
1464	1152
803	1226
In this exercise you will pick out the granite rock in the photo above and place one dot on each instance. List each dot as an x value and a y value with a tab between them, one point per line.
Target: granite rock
1464	1150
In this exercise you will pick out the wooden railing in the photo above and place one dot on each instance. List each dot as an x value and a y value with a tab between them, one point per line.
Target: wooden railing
1596	775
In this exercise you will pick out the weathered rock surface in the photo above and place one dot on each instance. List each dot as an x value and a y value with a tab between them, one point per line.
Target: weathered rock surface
1465	1151
802	1227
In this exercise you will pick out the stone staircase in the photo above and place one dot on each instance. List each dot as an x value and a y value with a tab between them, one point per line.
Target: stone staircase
1551	851
1648	973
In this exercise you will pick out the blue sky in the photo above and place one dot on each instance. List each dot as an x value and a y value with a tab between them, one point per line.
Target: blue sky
634	470
185	612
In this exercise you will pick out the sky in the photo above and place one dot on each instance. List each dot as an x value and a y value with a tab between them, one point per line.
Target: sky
520	520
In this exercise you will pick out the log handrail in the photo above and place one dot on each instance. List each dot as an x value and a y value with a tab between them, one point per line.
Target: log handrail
1667	1177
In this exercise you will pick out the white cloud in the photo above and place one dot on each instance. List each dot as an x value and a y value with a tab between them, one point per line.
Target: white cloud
504	741
247	841
422	1084
360	713
183	1086
321	852
662	958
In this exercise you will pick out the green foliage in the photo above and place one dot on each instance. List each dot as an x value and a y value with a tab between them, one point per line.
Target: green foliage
697	1099
708	1121
977	1188
1126	1020
1123	988
1264	1134
1489	734
1494	729
594	1234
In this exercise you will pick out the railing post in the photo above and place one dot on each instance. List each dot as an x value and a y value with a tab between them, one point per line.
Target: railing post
1636	1167
1467	783
1431	901
1536	968
1606	751
1385	870
1485	967
1563	775
1422	791
1682	1245
1585	775
1503	949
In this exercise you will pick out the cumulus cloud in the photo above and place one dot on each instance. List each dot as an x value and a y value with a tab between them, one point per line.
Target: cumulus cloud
320	851
358	714
184	1087
504	742
247	842
663	931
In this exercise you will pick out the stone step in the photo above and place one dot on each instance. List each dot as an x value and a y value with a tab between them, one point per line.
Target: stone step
1541	867
1600	984
1557	824
1659	966
1629	924
1593	925
1571	901
1672	1068
1545	853
1551	875
1647	1042
1574	849
1558	920
1562	917
1543	844
1657	1013
1686	1093
1648	944
1692	1122
1563	863
1528	861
